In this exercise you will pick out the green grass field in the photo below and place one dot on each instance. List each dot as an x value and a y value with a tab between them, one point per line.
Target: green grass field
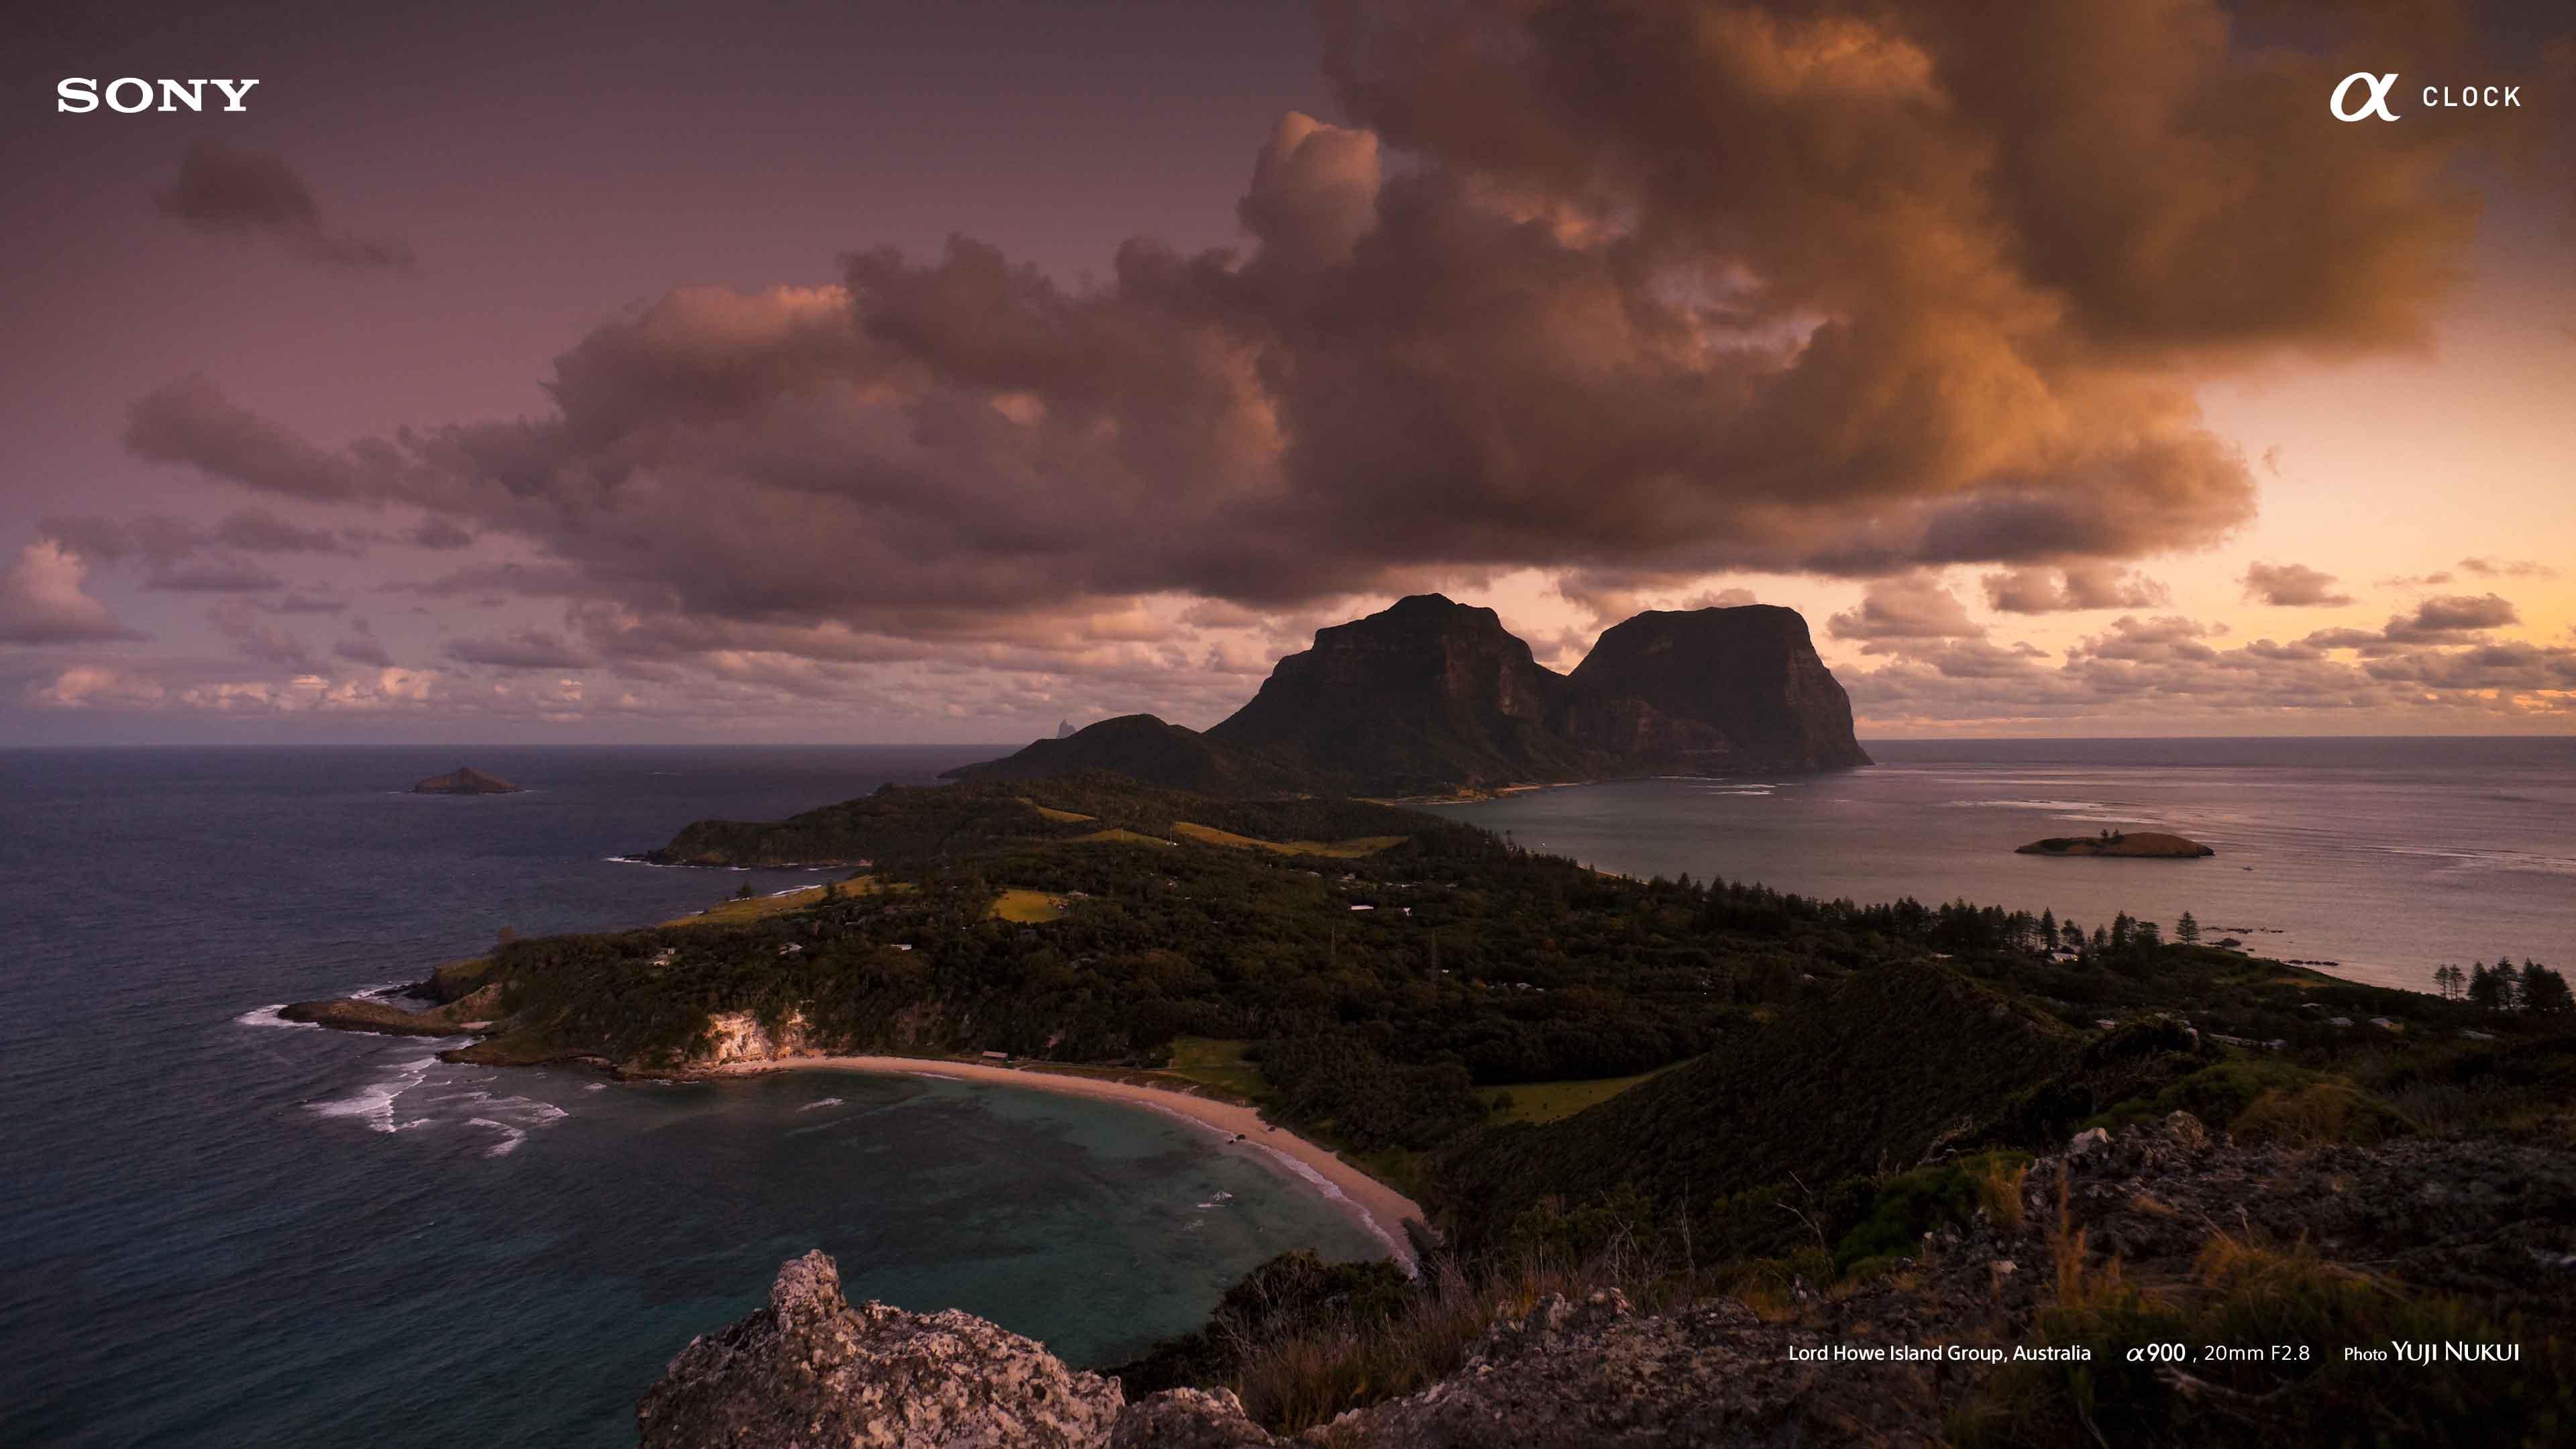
1219	1064
1340	849
1051	813
1028	907
1549	1101
737	912
1118	837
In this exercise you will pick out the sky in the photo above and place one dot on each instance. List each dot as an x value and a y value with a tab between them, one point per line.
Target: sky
874	373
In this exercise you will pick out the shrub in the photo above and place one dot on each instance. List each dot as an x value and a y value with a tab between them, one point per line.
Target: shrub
1905	1207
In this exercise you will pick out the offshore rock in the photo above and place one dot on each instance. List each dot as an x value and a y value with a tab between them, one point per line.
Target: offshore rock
813	1372
465	781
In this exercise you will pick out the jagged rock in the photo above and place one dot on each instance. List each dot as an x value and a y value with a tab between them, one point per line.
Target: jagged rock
1594	1375
2087	1141
2468	1217
812	1372
1188	1419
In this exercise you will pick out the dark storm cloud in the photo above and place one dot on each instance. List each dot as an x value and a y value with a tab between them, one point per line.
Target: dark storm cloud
2292	586
221	190
1624	290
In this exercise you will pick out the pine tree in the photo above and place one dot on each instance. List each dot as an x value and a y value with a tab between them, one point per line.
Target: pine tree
2187	930
2048	928
2508	984
2446	980
2544	992
2484	991
2145	935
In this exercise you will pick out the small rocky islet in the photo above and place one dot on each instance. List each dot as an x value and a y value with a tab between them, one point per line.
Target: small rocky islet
2120	845
465	780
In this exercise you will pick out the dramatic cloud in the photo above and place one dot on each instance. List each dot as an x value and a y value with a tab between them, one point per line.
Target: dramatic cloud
1803	290
1909	608
186	557
224	191
2080	586
2292	586
191	421
42	601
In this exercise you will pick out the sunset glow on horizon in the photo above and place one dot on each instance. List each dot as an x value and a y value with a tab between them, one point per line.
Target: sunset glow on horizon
940	376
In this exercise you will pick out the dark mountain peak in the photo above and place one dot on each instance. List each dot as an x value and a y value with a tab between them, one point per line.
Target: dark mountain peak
1416	607
1737	617
1750	673
1427	694
1431	695
1422	619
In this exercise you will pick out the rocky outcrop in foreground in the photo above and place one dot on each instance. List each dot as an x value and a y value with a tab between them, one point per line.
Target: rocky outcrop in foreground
2490	1219
812	1371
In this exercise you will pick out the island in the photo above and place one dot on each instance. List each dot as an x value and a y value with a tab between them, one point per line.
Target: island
1758	1126
1661	1145
465	781
2120	845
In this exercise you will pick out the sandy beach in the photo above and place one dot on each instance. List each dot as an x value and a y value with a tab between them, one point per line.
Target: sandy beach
1372	1204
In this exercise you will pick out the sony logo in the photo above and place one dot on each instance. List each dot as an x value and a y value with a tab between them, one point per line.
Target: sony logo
128	94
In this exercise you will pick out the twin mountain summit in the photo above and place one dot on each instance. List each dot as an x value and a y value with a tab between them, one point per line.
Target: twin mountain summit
1431	696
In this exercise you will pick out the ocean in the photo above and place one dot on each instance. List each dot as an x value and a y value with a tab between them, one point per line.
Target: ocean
219	1229
2382	857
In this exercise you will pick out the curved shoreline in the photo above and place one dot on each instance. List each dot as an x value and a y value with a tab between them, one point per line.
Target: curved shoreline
1376	1207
